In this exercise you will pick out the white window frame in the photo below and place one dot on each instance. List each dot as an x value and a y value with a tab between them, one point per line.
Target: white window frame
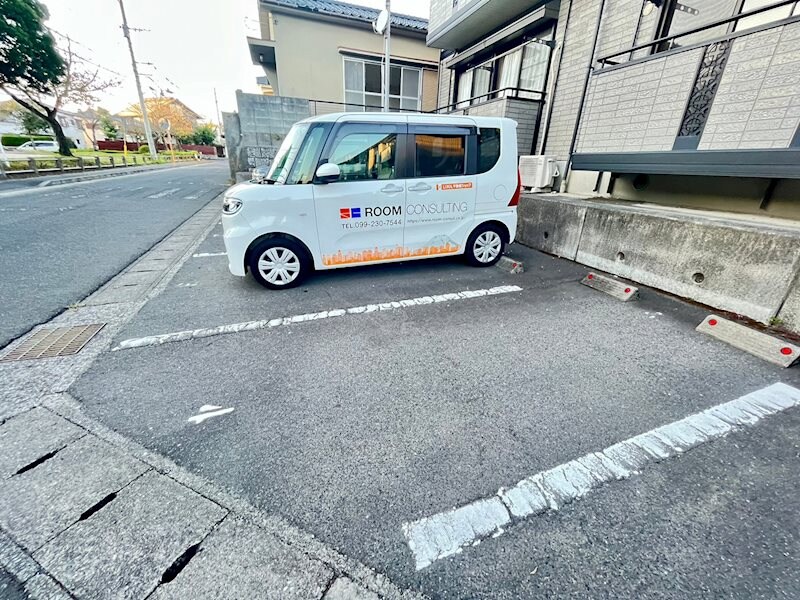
417	100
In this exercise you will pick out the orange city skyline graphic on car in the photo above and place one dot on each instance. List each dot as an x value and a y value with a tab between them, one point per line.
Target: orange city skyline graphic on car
396	252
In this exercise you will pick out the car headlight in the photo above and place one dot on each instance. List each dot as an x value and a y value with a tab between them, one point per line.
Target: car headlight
231	206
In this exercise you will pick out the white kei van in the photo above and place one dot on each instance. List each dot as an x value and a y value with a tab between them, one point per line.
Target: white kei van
364	188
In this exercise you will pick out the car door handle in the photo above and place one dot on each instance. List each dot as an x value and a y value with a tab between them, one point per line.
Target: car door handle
391	189
420	187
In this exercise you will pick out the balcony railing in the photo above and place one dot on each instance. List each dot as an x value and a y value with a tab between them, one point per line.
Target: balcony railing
515	93
667	43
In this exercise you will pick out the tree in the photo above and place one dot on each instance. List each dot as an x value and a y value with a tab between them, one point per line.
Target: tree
28	55
161	109
203	135
110	129
31	123
44	97
93	118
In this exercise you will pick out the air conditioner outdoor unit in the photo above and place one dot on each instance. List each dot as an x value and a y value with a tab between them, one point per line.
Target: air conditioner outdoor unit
538	172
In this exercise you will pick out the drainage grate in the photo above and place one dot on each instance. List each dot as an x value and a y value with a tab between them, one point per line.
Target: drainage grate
53	341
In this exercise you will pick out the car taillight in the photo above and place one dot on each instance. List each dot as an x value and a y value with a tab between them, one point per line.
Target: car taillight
517	192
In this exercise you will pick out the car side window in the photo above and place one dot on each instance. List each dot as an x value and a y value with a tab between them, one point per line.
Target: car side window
440	155
488	148
365	155
304	164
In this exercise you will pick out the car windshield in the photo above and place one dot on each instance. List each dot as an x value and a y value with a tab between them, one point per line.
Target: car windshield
287	153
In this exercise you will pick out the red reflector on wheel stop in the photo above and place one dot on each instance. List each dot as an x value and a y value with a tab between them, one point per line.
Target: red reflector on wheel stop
613	287
757	343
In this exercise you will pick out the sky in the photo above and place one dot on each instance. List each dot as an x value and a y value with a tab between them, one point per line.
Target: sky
194	46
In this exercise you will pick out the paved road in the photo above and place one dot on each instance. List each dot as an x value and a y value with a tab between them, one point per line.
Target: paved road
60	243
351	427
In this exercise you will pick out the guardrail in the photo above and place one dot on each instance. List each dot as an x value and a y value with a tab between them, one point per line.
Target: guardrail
32	167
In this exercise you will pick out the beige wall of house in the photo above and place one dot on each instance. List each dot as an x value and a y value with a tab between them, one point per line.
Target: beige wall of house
310	64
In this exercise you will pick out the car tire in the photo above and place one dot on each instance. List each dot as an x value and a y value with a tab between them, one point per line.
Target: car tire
279	263
485	245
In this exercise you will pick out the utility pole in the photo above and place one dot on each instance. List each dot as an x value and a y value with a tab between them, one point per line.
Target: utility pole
219	120
147	132
386	43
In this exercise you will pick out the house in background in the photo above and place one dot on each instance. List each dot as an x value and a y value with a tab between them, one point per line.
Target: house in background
327	52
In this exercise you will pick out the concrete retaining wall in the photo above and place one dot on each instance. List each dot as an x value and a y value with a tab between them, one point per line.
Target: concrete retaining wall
745	268
254	134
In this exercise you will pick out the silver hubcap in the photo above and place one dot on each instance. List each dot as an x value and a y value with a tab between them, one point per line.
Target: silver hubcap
279	266
487	246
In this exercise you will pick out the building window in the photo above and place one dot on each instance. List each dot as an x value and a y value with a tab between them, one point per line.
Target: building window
363	85
440	155
521	72
677	17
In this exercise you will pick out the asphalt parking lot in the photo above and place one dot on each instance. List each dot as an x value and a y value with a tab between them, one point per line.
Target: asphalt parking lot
351	427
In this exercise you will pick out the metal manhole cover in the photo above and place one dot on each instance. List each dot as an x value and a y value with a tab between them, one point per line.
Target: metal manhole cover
53	341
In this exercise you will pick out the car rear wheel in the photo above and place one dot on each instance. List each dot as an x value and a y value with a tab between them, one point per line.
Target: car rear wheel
279	263
485	246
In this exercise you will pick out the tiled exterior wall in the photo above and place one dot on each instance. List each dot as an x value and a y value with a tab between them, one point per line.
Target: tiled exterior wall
440	12
638	108
577	41
445	85
523	112
618	27
757	104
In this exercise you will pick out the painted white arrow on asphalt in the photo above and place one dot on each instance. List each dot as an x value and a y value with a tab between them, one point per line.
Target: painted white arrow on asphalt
207	411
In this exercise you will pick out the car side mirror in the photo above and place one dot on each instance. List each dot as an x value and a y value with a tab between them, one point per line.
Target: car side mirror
328	173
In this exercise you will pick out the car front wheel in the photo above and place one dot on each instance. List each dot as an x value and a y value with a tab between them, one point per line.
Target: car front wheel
279	263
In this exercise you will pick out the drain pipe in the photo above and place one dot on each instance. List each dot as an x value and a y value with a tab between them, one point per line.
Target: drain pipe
552	95
589	69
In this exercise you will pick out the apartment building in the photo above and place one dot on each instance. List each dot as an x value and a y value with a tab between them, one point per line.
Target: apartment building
636	97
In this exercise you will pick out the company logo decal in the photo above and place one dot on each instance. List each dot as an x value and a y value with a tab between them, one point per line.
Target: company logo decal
370	211
349	213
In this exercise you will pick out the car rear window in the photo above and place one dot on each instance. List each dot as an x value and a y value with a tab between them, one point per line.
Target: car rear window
488	148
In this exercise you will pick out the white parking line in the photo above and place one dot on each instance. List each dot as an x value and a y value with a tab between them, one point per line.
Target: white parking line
447	533
205	254
180	336
164	193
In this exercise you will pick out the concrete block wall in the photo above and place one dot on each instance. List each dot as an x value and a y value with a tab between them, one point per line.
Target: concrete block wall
729	265
262	123
757	104
639	107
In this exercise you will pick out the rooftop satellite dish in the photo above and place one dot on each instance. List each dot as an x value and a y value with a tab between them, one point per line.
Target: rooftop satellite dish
379	24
